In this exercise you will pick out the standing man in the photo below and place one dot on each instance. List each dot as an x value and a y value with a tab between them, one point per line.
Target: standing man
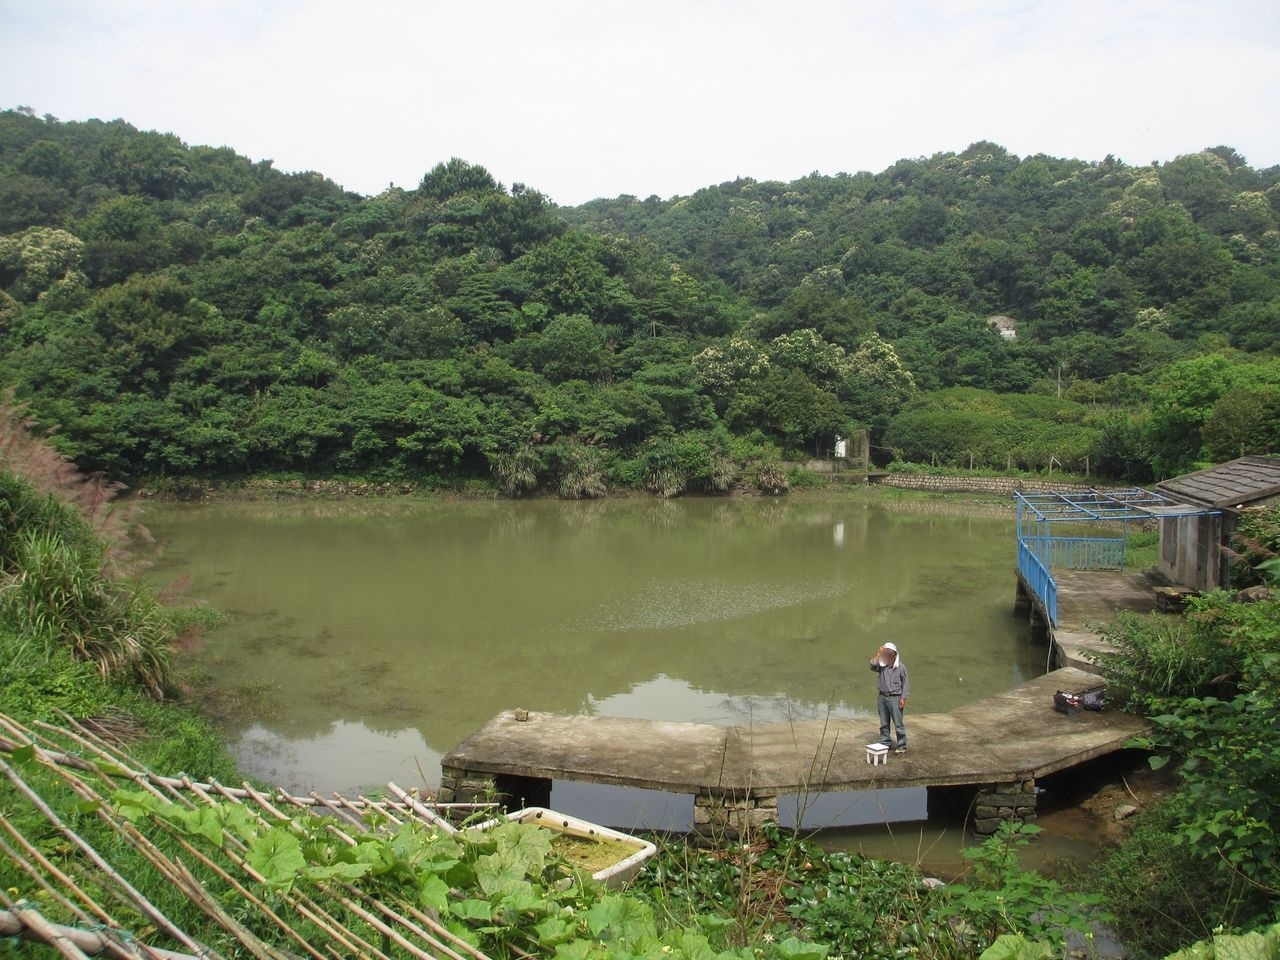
893	688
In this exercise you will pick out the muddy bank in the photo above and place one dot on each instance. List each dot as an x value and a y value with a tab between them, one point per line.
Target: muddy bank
1100	798
270	489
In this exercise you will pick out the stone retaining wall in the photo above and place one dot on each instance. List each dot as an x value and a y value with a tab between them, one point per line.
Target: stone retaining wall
717	819
996	486
462	786
999	802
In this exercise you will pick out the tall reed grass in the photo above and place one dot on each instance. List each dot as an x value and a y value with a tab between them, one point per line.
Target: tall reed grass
65	584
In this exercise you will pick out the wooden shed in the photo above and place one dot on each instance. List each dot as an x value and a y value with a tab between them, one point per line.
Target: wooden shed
1190	551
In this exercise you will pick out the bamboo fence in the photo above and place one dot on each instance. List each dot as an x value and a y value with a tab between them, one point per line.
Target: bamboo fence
100	911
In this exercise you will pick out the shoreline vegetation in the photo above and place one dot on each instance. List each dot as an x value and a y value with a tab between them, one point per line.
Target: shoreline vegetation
800	481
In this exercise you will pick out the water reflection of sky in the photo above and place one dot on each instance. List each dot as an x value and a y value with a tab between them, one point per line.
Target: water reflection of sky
673	699
367	758
854	808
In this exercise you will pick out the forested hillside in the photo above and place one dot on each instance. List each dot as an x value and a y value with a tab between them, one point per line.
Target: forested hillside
178	311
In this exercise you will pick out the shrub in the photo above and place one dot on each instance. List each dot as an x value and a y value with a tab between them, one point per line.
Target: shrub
1154	884
1212	691
1255	548
670	463
778	886
772	480
964	427
1001	897
802	479
581	472
62	559
1158	660
516	471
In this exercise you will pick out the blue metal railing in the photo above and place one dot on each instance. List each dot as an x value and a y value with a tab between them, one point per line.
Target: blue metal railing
1037	556
1082	553
1036	576
1039	553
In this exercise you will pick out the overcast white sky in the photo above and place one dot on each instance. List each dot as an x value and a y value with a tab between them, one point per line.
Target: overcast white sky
589	98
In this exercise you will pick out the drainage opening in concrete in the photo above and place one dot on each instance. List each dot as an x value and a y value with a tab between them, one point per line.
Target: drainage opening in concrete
852	808
624	808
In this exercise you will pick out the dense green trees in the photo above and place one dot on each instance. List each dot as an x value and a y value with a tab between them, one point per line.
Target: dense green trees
1214	406
180	311
967	427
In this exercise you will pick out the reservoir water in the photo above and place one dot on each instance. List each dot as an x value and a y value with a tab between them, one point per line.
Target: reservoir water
367	638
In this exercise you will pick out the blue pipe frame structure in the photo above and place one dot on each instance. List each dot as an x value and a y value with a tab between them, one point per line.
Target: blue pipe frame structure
1040	549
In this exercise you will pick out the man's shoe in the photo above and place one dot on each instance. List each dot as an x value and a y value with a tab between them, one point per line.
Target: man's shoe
900	750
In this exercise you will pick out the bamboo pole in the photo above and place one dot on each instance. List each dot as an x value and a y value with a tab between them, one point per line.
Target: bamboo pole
244	891
385	808
90	942
29	868
117	948
264	802
331	827
48	934
362	808
387	931
443	932
209	904
339	811
433	941
421	810
183	796
307	907
185	791
349	939
148	909
63	758
175	872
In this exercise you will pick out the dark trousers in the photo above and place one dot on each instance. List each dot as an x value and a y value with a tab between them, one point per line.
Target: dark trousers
887	707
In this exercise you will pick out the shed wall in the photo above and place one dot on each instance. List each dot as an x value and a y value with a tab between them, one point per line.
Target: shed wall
1189	553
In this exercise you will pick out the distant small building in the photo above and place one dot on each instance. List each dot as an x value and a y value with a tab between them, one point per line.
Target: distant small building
1190	547
1007	327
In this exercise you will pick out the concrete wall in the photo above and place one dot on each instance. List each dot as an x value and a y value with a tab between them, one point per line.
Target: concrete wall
857	456
1189	553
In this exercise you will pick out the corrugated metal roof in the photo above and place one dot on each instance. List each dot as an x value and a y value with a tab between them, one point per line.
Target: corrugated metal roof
1233	484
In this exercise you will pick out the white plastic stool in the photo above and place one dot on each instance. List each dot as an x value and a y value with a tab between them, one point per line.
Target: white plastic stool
877	753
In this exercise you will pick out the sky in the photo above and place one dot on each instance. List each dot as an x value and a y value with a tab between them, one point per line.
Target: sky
595	98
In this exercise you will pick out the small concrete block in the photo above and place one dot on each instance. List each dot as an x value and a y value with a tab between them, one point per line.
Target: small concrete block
877	753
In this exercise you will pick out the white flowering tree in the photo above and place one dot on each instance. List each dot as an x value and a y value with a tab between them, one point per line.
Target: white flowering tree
878	383
721	370
39	258
824	363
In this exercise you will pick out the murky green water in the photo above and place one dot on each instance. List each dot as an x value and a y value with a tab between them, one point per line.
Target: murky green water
369	638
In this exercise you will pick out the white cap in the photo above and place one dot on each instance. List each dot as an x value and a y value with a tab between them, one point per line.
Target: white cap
890	646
